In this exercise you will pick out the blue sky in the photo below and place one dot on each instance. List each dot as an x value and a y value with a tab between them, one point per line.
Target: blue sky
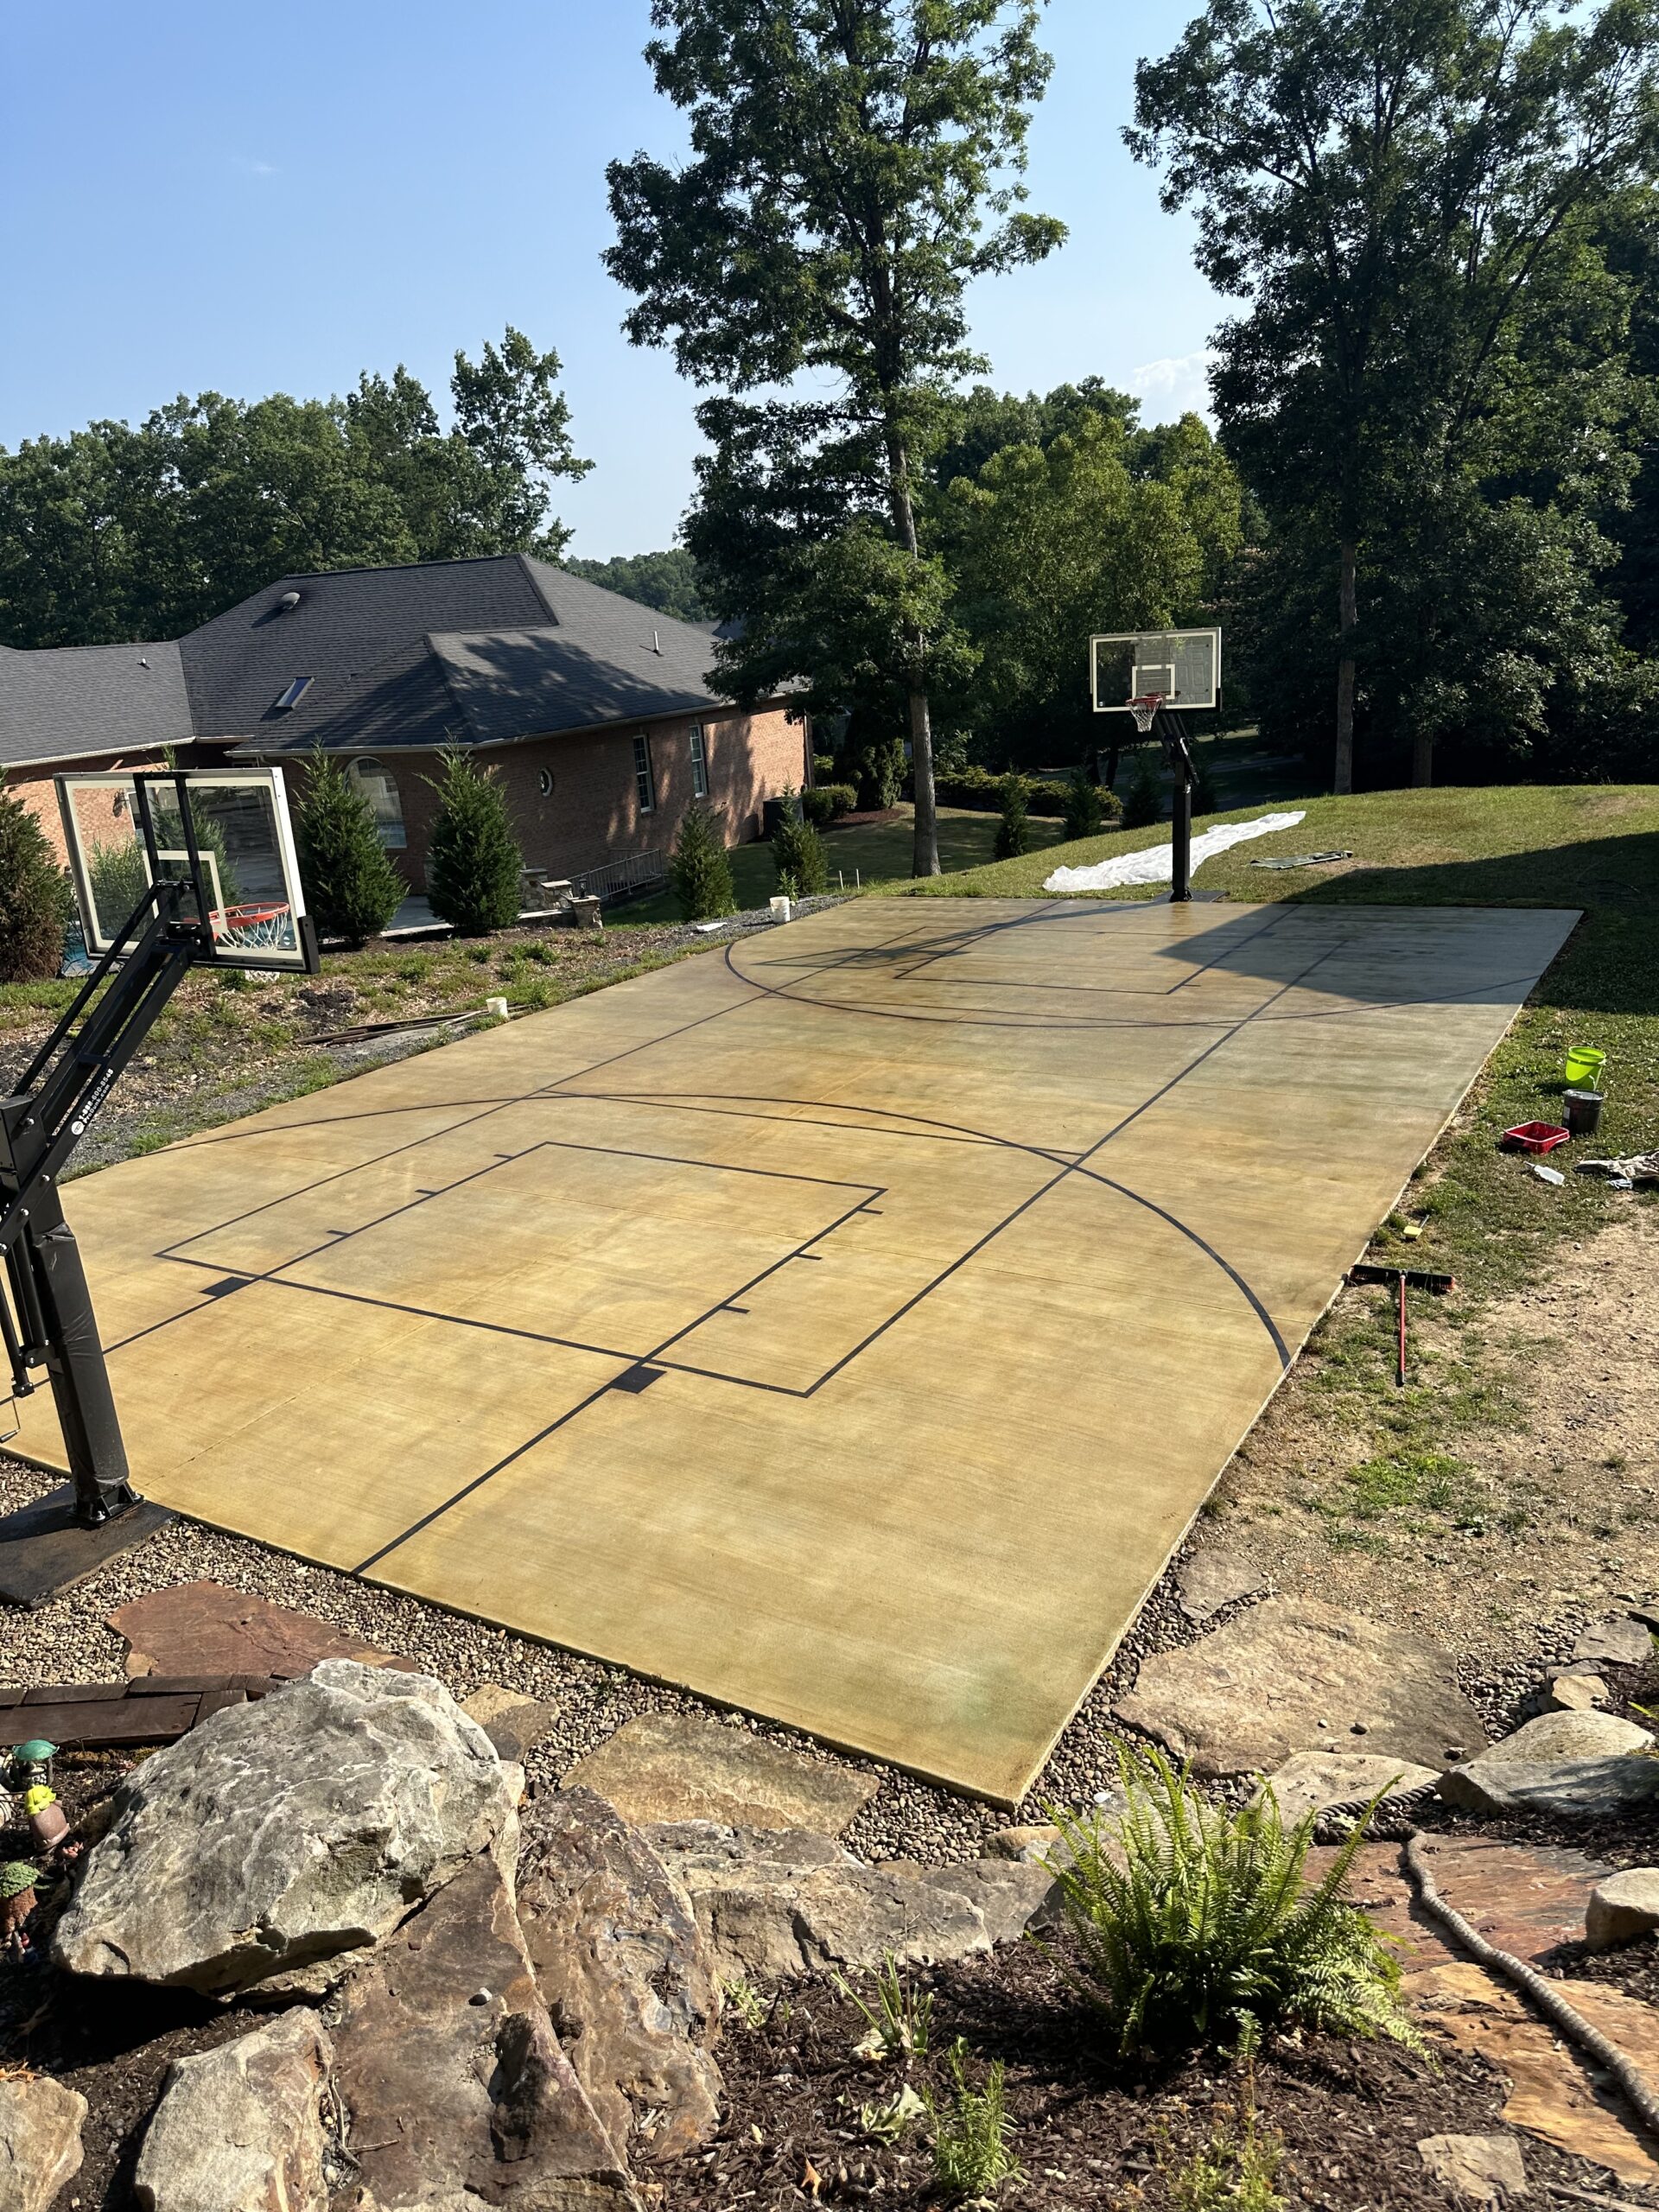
257	198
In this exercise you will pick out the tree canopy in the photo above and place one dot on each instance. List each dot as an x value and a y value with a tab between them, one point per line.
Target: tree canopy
116	533
1428	381
668	581
854	165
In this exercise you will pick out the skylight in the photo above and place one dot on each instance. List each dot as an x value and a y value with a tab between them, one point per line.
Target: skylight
296	692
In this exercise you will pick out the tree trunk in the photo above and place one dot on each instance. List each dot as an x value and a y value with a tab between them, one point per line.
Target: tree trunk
1422	759
1348	622
925	854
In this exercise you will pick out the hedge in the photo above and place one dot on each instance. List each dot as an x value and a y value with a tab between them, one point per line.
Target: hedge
977	789
828	802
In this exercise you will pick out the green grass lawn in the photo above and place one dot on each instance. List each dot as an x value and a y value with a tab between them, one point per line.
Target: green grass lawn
860	854
1488	1220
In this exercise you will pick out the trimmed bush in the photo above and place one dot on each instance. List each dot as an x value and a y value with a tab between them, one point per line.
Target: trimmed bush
1013	830
699	871
828	802
1084	815
35	900
1143	803
824	764
1197	1925
980	792
352	889
797	854
474	867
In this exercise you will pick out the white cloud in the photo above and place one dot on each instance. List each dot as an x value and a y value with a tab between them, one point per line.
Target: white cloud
1173	386
249	167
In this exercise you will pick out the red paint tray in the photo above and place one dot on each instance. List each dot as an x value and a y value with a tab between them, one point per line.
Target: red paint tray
1536	1136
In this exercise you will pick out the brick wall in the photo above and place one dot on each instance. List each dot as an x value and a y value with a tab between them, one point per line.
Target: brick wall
592	814
32	785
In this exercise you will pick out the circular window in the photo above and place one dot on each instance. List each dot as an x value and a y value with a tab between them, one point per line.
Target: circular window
546	782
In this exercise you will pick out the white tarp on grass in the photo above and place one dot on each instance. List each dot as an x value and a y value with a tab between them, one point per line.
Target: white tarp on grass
1152	866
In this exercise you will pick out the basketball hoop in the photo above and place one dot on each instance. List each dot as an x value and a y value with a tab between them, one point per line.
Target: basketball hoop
1145	709
267	926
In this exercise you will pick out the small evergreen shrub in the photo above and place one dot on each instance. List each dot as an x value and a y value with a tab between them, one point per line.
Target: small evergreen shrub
979	791
971	2152
828	802
1013	830
118	881
1195	1925
35	900
1084	815
352	889
699	872
824	764
1143	803
797	854
474	867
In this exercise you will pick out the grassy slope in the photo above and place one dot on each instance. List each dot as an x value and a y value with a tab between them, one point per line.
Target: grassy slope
1490	1222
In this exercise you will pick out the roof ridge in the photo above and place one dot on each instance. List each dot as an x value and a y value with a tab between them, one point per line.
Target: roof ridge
528	564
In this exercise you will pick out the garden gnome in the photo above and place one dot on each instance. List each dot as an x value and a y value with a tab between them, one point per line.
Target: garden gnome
48	1822
18	1901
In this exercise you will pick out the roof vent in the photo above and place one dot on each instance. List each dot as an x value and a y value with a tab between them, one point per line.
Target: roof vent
288	602
656	642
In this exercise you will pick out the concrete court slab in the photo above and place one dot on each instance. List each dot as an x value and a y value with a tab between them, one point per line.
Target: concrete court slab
845	1323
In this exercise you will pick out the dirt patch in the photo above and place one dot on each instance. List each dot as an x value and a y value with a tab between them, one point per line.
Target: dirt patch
1514	1492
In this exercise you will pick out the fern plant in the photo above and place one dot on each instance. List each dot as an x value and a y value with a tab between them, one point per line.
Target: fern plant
971	2152
1193	1925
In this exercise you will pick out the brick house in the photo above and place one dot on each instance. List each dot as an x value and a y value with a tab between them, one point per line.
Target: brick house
594	710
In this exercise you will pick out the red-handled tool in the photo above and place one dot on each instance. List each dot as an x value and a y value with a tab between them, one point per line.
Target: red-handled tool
1420	1278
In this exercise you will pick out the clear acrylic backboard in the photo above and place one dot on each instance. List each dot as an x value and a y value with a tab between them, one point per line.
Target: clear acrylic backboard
224	829
1182	667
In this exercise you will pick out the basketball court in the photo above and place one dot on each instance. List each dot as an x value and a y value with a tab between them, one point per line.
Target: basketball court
847	1323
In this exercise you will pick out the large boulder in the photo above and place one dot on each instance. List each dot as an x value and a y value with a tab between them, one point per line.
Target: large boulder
288	1832
778	1905
1577	1765
678	1766
40	2141
241	2128
456	2090
1294	1674
626	1973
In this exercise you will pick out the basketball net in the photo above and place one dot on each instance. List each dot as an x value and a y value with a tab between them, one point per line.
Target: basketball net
1145	709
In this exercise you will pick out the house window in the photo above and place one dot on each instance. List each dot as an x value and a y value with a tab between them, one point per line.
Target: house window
644	782
699	763
375	783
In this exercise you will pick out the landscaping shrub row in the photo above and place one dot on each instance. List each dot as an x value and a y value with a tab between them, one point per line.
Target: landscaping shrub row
828	802
977	789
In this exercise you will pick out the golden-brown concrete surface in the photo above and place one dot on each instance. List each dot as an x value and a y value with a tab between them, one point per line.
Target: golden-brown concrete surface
847	1324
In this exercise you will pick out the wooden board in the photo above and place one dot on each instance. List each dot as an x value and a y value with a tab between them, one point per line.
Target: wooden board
847	1323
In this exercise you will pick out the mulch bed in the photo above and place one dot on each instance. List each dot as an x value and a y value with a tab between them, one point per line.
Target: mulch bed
1088	2130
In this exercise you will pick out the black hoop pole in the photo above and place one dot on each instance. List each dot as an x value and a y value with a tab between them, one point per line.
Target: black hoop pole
1173	732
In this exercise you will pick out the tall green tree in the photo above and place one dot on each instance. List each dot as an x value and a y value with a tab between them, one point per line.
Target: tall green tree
115	532
350	887
1393	188
35	901
474	869
854	165
667	581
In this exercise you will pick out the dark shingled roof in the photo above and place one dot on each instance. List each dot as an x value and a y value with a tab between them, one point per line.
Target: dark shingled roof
448	653
67	701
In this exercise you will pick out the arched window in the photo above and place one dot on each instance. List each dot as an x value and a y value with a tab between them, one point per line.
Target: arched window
376	785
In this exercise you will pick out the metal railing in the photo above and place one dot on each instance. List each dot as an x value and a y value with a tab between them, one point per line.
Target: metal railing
623	879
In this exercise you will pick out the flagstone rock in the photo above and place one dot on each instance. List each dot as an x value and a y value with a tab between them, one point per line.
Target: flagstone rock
241	2128
40	2141
1622	1640
1567	1736
1575	1694
202	1627
455	2089
1292	1673
1485	2167
1217	1575
775	1906
1309	1781
625	1971
1583	1766
285	1833
515	1724
1623	1909
672	1766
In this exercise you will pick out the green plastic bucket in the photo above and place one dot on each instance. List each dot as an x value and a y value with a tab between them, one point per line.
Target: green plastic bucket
1584	1067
